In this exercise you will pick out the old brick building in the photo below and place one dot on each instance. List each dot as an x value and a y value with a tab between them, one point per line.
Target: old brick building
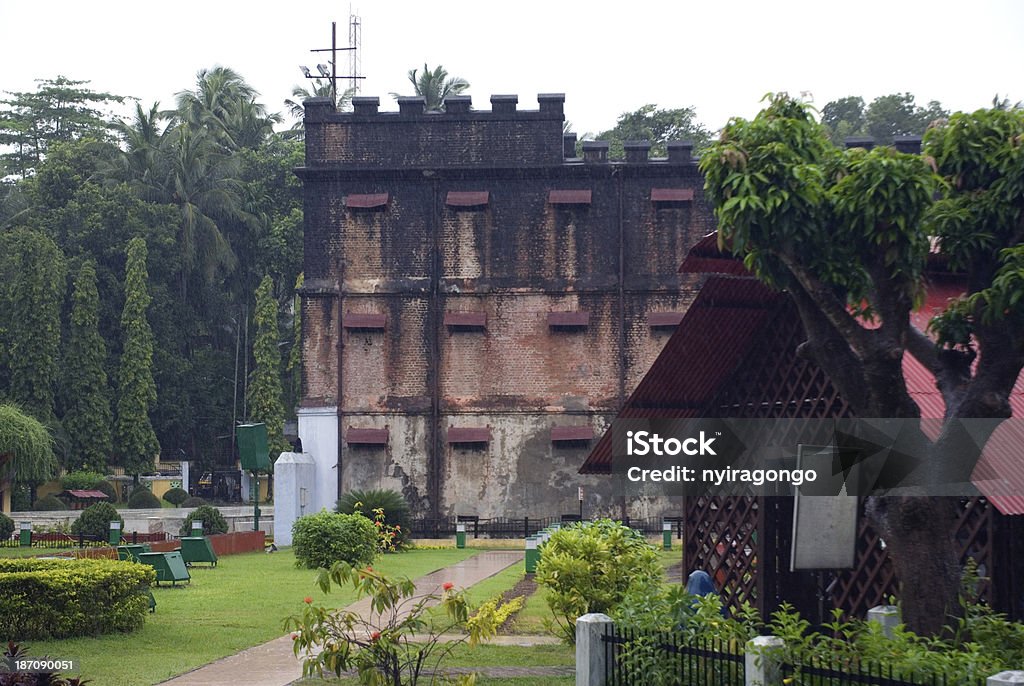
478	301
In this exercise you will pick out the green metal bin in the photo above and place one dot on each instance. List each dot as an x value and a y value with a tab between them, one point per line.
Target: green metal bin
168	566
197	549
132	551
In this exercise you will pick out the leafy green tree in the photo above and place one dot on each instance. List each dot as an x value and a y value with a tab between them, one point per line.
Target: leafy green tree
435	85
847	234
658	126
59	110
87	416
265	388
135	442
886	117
26	449
32	275
844	118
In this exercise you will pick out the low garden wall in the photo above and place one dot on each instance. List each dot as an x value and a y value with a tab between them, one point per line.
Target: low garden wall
223	544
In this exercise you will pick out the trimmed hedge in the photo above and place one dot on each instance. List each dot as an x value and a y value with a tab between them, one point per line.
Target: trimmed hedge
50	502
321	539
143	499
43	599
176	496
95	521
213	521
6	527
194	501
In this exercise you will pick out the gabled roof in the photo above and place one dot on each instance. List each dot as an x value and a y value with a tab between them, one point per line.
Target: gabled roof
723	327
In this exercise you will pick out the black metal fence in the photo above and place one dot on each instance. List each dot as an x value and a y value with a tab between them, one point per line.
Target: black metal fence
817	671
52	541
521	527
634	658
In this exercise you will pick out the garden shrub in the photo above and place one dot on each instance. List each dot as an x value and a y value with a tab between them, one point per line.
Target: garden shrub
176	496
213	521
49	502
106	487
590	566
42	599
95	521
193	501
142	498
6	527
321	539
396	521
80	481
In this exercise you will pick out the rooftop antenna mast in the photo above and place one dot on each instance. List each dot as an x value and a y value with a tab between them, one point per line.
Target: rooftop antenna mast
330	71
355	41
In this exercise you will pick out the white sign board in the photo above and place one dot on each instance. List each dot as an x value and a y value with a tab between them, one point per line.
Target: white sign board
824	526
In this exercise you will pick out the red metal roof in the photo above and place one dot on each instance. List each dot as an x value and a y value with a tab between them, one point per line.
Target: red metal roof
469	434
671	194
705	257
366	200
360	320
366	436
569	197
465	319
573	318
467	198
87	494
659	319
572	433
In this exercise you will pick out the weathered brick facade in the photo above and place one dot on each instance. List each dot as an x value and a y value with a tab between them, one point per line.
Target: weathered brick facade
450	284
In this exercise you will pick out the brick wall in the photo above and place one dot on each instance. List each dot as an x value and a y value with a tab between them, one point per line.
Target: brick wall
504	261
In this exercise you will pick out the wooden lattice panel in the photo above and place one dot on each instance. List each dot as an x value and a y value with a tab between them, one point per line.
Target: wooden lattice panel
722	540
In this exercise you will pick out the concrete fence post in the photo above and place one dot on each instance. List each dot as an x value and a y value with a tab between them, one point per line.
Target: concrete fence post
888	616
1008	677
591	669
763	661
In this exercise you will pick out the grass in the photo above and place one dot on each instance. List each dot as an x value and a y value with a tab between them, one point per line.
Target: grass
33	552
240	603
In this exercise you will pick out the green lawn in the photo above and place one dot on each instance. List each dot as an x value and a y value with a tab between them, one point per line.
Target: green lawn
240	603
33	552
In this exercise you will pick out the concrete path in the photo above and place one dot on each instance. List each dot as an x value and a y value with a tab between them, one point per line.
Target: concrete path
274	664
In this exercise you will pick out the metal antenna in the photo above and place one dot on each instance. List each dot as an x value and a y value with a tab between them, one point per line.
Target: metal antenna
334	64
355	41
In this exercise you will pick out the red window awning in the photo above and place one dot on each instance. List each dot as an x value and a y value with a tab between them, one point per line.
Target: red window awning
569	318
671	194
465	319
467	198
355	320
356	436
569	197
664	319
366	200
469	434
571	433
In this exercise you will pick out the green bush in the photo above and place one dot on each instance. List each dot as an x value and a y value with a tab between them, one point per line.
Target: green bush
396	511
590	566
107	488
213	521
176	496
80	481
42	599
193	501
50	502
324	538
95	521
143	498
6	527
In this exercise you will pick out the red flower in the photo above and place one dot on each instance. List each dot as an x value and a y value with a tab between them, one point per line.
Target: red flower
375	635
295	637
307	600
448	585
369	568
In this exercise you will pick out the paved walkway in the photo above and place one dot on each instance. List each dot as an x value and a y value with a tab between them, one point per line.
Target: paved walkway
274	664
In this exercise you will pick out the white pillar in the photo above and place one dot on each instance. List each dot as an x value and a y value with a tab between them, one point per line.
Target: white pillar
763	661
294	481
1005	678
590	662
318	430
888	616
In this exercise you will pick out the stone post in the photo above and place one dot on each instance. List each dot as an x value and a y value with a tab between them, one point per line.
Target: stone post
1008	677
763	661
888	616
591	668
295	476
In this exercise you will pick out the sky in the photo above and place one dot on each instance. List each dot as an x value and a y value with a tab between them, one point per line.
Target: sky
720	58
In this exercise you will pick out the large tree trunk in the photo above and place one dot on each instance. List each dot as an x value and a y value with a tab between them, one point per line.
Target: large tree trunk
918	533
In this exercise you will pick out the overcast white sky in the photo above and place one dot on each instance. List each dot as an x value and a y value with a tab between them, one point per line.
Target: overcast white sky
608	58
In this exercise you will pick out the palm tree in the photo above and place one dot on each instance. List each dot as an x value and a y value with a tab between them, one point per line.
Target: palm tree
435	86
223	102
321	89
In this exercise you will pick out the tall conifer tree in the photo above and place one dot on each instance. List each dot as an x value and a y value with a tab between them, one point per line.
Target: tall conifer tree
87	418
135	441
265	389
